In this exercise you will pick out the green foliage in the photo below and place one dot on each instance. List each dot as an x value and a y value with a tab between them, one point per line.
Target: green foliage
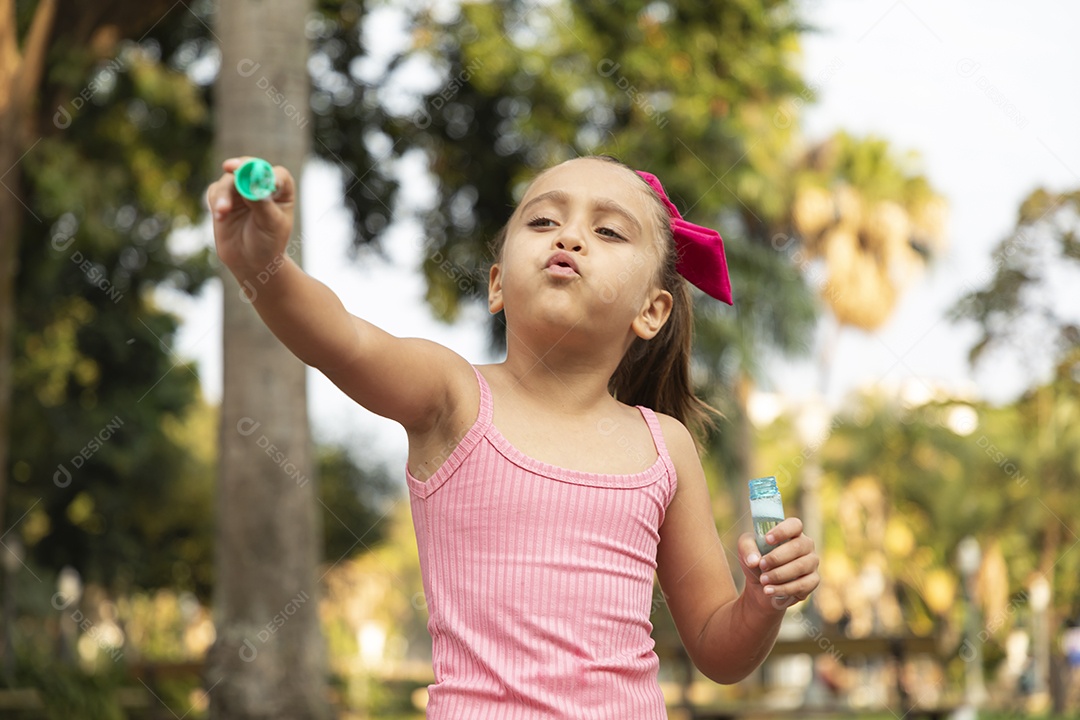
113	450
69	692
349	114
1035	455
100	464
775	311
354	503
1034	441
776	316
921	464
1016	308
903	484
870	165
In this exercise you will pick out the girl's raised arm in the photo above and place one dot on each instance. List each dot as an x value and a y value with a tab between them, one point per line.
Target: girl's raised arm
408	380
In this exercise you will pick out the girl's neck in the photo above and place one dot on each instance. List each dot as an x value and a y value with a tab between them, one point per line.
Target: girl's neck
572	382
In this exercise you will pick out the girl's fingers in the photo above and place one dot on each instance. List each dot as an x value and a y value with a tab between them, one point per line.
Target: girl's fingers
790	571
217	200
796	590
286	189
795	579
796	548
788	529
222	197
232	163
748	551
801	567
272	215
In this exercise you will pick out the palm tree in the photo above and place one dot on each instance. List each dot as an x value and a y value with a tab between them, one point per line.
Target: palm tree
875	226
268	660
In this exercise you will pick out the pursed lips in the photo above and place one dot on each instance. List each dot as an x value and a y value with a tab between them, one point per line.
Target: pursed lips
562	260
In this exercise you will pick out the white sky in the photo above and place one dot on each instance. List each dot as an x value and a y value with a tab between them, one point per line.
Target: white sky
984	92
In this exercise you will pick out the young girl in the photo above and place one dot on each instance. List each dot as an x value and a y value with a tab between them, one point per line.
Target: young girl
545	490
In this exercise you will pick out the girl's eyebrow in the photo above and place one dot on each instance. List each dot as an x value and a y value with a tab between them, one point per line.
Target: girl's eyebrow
561	197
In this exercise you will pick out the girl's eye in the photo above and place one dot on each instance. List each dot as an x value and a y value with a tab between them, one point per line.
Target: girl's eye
610	233
543	222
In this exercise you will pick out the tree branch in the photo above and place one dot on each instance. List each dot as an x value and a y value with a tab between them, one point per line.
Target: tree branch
9	43
35	49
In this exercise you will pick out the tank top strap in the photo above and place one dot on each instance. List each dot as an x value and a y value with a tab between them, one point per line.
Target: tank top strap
661	446
483	417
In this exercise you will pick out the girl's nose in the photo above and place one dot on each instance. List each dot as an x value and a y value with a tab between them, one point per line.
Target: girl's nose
571	236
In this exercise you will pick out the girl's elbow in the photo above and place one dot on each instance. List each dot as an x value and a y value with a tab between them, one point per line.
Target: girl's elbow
724	669
725	675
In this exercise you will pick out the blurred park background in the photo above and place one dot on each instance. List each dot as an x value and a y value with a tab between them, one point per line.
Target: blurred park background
198	528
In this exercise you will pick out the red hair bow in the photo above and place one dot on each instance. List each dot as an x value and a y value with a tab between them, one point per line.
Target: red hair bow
701	249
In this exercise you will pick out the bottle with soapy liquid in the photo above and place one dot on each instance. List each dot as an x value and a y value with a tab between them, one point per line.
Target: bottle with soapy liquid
766	509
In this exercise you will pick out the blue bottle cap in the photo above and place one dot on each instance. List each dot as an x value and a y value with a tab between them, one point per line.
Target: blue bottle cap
763	488
255	179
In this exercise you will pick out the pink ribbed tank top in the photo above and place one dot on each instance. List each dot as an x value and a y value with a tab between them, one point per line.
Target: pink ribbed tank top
539	581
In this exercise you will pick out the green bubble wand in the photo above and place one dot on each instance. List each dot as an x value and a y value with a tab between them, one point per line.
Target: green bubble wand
255	179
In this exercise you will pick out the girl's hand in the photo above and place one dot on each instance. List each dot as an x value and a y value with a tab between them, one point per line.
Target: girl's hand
251	236
788	573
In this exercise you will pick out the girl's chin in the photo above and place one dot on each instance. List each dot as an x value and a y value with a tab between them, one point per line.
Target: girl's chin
553	315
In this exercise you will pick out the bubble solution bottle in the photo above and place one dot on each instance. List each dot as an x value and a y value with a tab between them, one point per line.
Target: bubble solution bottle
766	509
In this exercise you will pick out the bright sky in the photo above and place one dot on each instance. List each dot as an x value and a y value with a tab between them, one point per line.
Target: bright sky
984	92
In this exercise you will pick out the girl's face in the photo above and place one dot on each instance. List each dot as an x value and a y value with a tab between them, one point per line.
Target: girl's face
583	251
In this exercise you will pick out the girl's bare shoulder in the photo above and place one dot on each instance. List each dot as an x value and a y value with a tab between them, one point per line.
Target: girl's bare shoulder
679	441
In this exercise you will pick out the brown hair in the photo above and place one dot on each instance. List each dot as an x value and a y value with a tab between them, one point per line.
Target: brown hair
656	373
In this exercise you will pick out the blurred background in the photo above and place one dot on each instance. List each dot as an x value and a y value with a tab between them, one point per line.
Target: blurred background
194	527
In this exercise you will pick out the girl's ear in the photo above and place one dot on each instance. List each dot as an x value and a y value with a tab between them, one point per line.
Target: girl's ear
495	296
654	313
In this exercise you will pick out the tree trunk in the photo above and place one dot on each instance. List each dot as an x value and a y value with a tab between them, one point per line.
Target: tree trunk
743	462
744	454
268	661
